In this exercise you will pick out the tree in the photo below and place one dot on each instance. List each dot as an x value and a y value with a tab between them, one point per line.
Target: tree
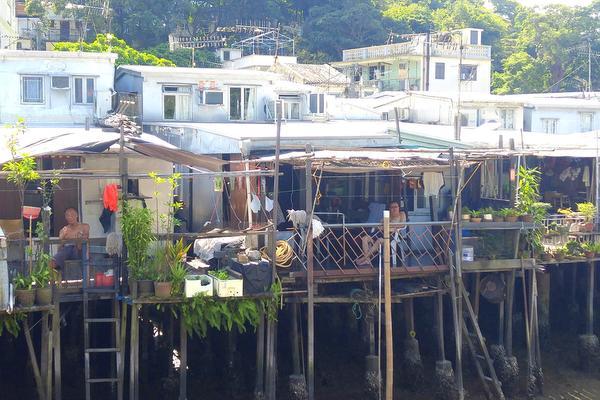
183	57
333	27
409	16
521	74
109	43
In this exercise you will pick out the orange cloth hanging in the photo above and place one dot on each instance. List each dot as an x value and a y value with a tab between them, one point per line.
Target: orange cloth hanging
111	197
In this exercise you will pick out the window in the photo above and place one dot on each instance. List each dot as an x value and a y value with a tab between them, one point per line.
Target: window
83	90
549	125
372	73
59	82
474	37
242	102
381	71
507	119
32	89
176	102
317	103
291	110
468	72
226	55
587	122
469	117
440	70
210	97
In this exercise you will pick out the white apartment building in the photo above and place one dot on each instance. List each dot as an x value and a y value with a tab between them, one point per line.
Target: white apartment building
55	87
424	62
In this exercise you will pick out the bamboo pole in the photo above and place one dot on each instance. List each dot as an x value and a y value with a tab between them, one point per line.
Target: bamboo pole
56	346
310	315
389	343
183	358
590	299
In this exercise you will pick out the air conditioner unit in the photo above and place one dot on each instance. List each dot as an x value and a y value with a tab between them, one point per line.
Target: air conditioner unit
60	82
404	114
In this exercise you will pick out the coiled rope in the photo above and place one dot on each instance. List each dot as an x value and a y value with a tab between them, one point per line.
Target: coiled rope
284	254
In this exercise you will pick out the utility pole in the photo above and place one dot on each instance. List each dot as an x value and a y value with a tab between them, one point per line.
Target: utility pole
457	122
589	67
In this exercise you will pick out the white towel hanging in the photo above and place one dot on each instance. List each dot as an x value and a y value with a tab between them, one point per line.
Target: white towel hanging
255	204
268	204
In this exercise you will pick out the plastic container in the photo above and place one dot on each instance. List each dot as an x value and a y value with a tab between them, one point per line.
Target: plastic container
232	287
198	284
99	279
468	253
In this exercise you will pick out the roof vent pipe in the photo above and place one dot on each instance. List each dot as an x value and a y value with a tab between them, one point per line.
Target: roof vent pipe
500	141
87	123
511	143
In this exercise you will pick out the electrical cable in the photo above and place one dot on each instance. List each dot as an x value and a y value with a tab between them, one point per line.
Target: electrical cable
284	254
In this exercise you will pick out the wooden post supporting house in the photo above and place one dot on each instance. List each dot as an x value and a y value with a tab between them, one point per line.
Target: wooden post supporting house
310	359
387	284
182	360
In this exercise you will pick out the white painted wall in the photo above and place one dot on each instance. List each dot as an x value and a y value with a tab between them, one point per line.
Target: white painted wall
450	81
93	189
569	120
58	106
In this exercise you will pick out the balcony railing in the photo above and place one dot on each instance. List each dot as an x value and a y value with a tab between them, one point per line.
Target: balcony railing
410	48
416	248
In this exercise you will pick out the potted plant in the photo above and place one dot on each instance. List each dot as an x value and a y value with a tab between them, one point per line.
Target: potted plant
528	192
497	216
546	256
171	269
160	272
228	283
574	248
42	276
466	213
510	214
560	253
24	291
588	212
589	250
487	214
476	215
136	226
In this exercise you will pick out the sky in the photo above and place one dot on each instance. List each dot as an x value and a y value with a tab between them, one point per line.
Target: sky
532	3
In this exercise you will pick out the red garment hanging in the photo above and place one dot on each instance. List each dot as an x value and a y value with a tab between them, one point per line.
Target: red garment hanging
111	197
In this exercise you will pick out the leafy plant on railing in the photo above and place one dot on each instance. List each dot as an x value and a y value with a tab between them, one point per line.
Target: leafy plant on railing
136	226
528	203
167	220
11	323
21	169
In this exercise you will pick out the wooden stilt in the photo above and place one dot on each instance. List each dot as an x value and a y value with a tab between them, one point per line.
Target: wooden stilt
34	363
182	360
296	365
44	355
589	326
409	315
133	353
439	323
389	343
510	296
259	386
49	346
543	283
477	293
56	346
310	315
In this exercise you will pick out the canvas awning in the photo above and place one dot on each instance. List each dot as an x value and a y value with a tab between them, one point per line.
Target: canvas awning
46	141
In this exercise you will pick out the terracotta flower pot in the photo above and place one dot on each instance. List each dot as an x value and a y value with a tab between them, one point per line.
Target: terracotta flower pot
466	217
511	218
162	290
498	219
589	254
527	218
546	257
25	297
43	296
475	219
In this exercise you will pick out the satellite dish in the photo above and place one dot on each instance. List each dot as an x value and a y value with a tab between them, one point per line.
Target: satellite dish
493	288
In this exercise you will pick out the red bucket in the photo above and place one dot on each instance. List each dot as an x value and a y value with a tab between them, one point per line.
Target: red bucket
30	212
109	280
99	279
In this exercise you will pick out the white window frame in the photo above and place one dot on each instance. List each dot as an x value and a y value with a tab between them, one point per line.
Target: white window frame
253	97
582	115
176	94
84	87
504	112
202	94
287	110
443	70
321	103
550	123
43	80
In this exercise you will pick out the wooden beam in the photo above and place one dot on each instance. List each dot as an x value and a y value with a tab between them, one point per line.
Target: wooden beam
56	346
389	340
182	360
259	386
133	353
34	363
310	359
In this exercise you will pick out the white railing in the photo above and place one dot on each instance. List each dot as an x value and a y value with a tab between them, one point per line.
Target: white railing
453	50
410	48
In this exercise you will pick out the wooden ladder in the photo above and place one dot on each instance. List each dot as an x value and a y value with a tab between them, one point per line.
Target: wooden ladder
478	349
89	321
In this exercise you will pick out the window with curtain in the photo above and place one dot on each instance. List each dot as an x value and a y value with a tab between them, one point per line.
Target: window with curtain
176	102
32	89
84	90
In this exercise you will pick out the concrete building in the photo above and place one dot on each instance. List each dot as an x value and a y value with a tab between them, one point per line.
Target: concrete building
425	62
8	25
52	87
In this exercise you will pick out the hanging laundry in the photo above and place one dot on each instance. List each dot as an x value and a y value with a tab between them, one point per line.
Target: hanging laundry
255	204
432	183
586	177
268	204
111	197
106	220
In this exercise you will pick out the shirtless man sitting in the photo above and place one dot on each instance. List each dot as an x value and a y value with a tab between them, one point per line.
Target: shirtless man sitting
371	243
73	230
